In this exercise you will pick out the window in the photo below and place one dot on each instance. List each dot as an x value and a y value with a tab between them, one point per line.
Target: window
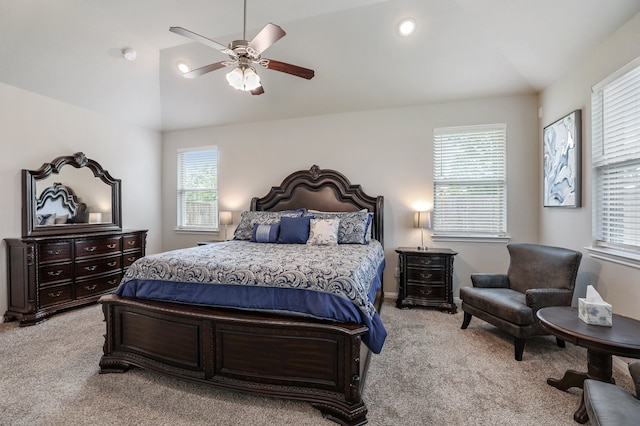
198	188
615	124
469	176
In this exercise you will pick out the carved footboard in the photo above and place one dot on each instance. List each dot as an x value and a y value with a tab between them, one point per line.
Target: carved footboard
320	362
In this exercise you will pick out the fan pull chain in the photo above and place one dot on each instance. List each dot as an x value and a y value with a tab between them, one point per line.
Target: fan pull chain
244	24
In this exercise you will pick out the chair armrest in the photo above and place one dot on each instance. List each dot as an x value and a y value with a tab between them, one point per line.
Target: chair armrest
542	297
634	370
490	280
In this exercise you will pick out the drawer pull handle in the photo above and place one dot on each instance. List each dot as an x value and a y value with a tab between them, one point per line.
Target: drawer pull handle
111	246
131	258
53	252
56	294
426	276
90	248
131	243
112	282
90	268
425	261
91	287
55	273
112	263
426	292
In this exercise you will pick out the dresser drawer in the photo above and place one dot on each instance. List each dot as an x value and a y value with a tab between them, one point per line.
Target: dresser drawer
55	294
131	242
94	286
427	292
129	258
98	266
93	247
427	262
55	272
54	252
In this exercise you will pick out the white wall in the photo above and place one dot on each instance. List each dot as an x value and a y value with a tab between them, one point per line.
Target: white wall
619	285
388	152
35	130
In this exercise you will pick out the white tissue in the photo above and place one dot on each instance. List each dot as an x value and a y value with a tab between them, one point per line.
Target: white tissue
592	309
593	296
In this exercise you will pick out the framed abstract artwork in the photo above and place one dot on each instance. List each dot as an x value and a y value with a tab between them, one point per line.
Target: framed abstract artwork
562	161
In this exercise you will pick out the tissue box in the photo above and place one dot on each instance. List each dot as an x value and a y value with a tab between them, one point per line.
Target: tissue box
594	313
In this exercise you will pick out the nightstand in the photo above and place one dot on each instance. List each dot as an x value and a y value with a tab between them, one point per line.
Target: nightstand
426	278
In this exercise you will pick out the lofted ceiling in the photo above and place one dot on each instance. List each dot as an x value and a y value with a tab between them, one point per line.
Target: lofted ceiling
71	50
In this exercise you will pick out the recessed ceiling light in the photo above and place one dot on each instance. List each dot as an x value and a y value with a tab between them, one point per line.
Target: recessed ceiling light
407	27
183	68
129	54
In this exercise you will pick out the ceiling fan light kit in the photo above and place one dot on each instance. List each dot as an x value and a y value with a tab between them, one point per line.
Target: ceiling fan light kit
129	54
243	55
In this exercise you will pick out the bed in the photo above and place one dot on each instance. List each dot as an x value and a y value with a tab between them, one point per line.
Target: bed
270	351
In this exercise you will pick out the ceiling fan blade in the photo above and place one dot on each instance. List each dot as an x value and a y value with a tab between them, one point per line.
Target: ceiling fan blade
202	39
203	70
290	69
266	37
258	91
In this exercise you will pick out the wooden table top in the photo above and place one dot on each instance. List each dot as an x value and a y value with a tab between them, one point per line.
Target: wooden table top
622	338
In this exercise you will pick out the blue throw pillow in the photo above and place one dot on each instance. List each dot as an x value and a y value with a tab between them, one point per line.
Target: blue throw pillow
294	230
265	233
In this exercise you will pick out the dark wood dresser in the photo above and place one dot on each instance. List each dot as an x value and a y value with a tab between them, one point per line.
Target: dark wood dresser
50	273
426	278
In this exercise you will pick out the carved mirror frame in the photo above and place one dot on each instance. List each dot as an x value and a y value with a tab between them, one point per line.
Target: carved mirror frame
29	197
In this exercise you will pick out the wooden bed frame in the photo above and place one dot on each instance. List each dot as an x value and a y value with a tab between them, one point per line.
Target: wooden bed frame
322	362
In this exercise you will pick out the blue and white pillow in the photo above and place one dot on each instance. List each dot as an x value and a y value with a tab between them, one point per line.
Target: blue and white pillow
323	232
265	233
354	226
250	218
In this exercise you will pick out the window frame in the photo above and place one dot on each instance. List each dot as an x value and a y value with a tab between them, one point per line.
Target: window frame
443	229
181	192
615	130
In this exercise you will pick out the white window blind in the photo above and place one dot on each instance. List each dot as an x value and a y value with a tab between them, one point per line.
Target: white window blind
198	188
615	122
470	187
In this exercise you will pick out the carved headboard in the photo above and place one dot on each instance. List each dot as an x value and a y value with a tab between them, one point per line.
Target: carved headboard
322	189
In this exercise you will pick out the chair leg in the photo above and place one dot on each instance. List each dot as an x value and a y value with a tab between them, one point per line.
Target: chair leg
518	344
561	343
466	320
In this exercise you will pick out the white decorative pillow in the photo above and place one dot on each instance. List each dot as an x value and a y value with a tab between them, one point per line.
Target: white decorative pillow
323	232
46	219
61	218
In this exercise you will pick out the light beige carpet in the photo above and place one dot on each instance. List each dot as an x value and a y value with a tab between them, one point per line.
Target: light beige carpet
430	372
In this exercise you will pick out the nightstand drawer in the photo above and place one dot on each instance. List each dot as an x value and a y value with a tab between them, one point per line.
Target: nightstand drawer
430	292
434	261
425	275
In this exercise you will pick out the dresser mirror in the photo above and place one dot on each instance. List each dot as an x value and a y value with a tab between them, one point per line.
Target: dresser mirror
72	194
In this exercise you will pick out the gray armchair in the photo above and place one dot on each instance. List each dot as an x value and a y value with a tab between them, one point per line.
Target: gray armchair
609	404
538	276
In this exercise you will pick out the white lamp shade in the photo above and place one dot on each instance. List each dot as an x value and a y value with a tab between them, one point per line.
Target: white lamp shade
95	217
245	79
226	218
422	220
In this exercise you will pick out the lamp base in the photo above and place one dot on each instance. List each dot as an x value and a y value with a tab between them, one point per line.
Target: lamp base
423	248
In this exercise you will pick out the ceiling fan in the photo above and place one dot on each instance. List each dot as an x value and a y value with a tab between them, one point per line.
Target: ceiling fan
243	55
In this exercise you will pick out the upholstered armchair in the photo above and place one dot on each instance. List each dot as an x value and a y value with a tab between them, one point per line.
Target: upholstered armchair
609	404
538	276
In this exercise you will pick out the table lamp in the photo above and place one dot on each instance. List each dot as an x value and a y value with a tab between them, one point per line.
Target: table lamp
422	220
226	219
